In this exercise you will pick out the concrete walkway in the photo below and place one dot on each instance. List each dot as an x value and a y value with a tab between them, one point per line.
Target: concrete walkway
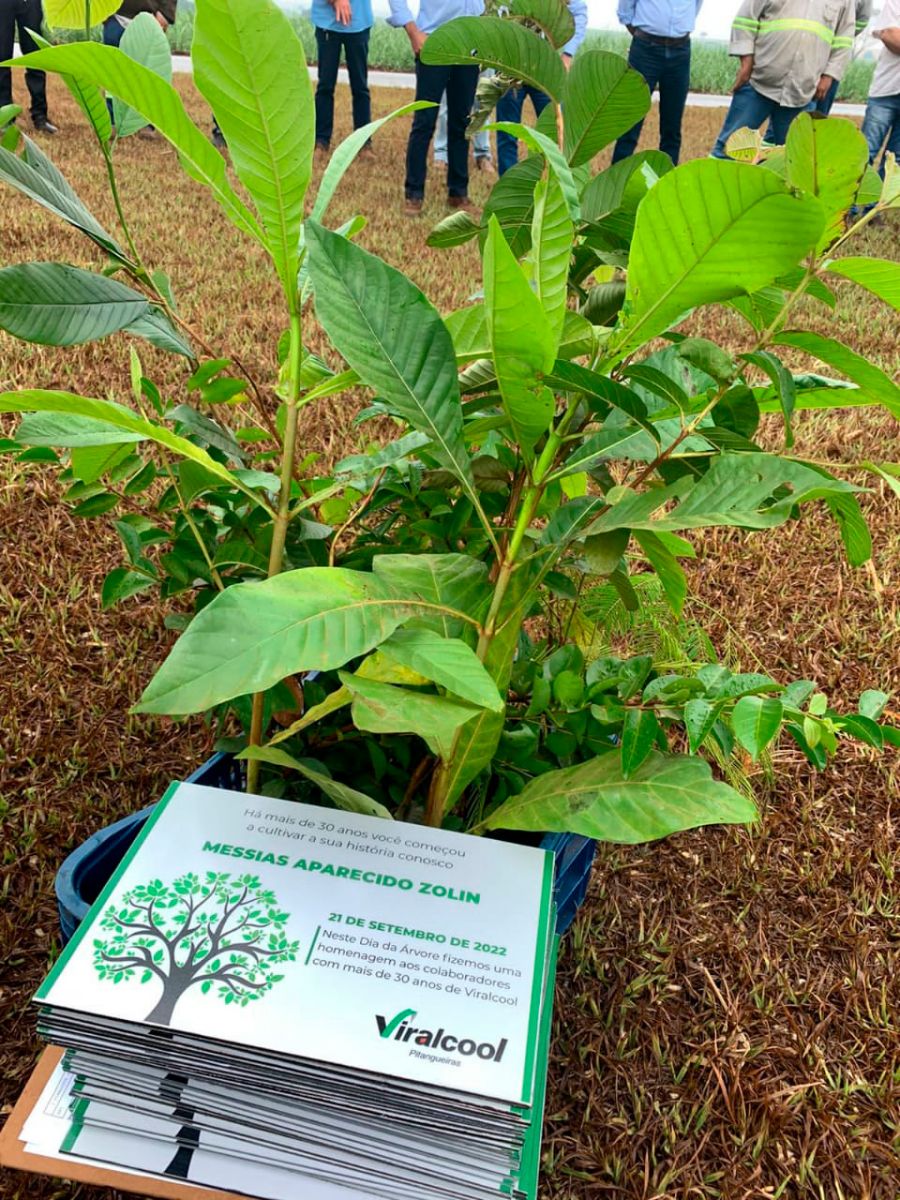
404	79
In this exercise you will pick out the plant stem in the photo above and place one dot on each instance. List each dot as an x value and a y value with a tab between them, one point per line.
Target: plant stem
87	20
440	781
283	515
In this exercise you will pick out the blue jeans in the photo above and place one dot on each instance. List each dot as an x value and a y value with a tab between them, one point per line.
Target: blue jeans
356	50
881	127
822	107
510	108
669	69
749	108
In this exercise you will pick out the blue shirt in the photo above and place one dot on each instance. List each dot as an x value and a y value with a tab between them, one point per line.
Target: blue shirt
665	18
360	16
579	11
434	13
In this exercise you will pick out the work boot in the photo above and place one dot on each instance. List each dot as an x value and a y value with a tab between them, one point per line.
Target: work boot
44	125
462	204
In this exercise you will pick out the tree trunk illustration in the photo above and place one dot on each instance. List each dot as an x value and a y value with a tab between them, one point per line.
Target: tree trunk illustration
175	988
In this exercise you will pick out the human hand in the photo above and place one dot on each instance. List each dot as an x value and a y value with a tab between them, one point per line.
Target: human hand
343	11
161	21
822	86
566	60
416	37
745	70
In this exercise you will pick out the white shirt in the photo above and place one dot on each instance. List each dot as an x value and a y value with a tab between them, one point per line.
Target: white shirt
886	80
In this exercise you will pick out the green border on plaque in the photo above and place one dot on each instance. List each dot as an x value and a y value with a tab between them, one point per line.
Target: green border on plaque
74	942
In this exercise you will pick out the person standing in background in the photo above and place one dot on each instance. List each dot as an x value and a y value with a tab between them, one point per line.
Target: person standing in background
115	26
863	15
881	124
26	14
791	51
341	25
481	141
660	51
509	107
459	82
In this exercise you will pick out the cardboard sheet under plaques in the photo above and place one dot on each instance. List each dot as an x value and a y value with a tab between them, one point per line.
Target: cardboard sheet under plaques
14	1155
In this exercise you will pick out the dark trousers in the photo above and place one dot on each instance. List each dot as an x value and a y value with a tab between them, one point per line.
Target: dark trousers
669	69
356	51
26	14
431	82
509	108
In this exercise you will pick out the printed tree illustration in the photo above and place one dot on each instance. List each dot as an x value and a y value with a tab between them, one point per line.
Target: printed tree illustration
219	932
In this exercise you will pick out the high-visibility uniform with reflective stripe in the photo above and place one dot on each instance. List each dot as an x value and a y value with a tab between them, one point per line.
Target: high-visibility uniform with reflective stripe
793	43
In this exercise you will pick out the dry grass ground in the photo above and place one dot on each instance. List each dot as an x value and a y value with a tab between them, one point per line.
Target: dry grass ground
728	1002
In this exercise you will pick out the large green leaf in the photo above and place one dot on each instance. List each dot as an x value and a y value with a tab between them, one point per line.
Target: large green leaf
706	232
346	152
394	339
58	305
828	159
65	431
144	42
253	635
35	176
554	18
604	98
551	239
664	795
250	66
383	708
755	721
512	202
522	343
471	339
343	796
157	101
624	185
89	99
848	362
879	276
109	415
448	662
537	141
71	14
445	582
738	489
504	45
668	569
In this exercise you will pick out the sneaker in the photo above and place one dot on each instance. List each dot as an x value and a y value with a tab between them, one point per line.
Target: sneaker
413	206
44	125
486	167
462	204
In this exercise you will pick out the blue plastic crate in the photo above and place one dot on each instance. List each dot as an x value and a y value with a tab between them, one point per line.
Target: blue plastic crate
83	875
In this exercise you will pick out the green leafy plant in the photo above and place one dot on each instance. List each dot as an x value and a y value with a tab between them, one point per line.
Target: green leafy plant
423	631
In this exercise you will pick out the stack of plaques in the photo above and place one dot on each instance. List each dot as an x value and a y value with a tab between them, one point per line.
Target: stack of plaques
280	999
